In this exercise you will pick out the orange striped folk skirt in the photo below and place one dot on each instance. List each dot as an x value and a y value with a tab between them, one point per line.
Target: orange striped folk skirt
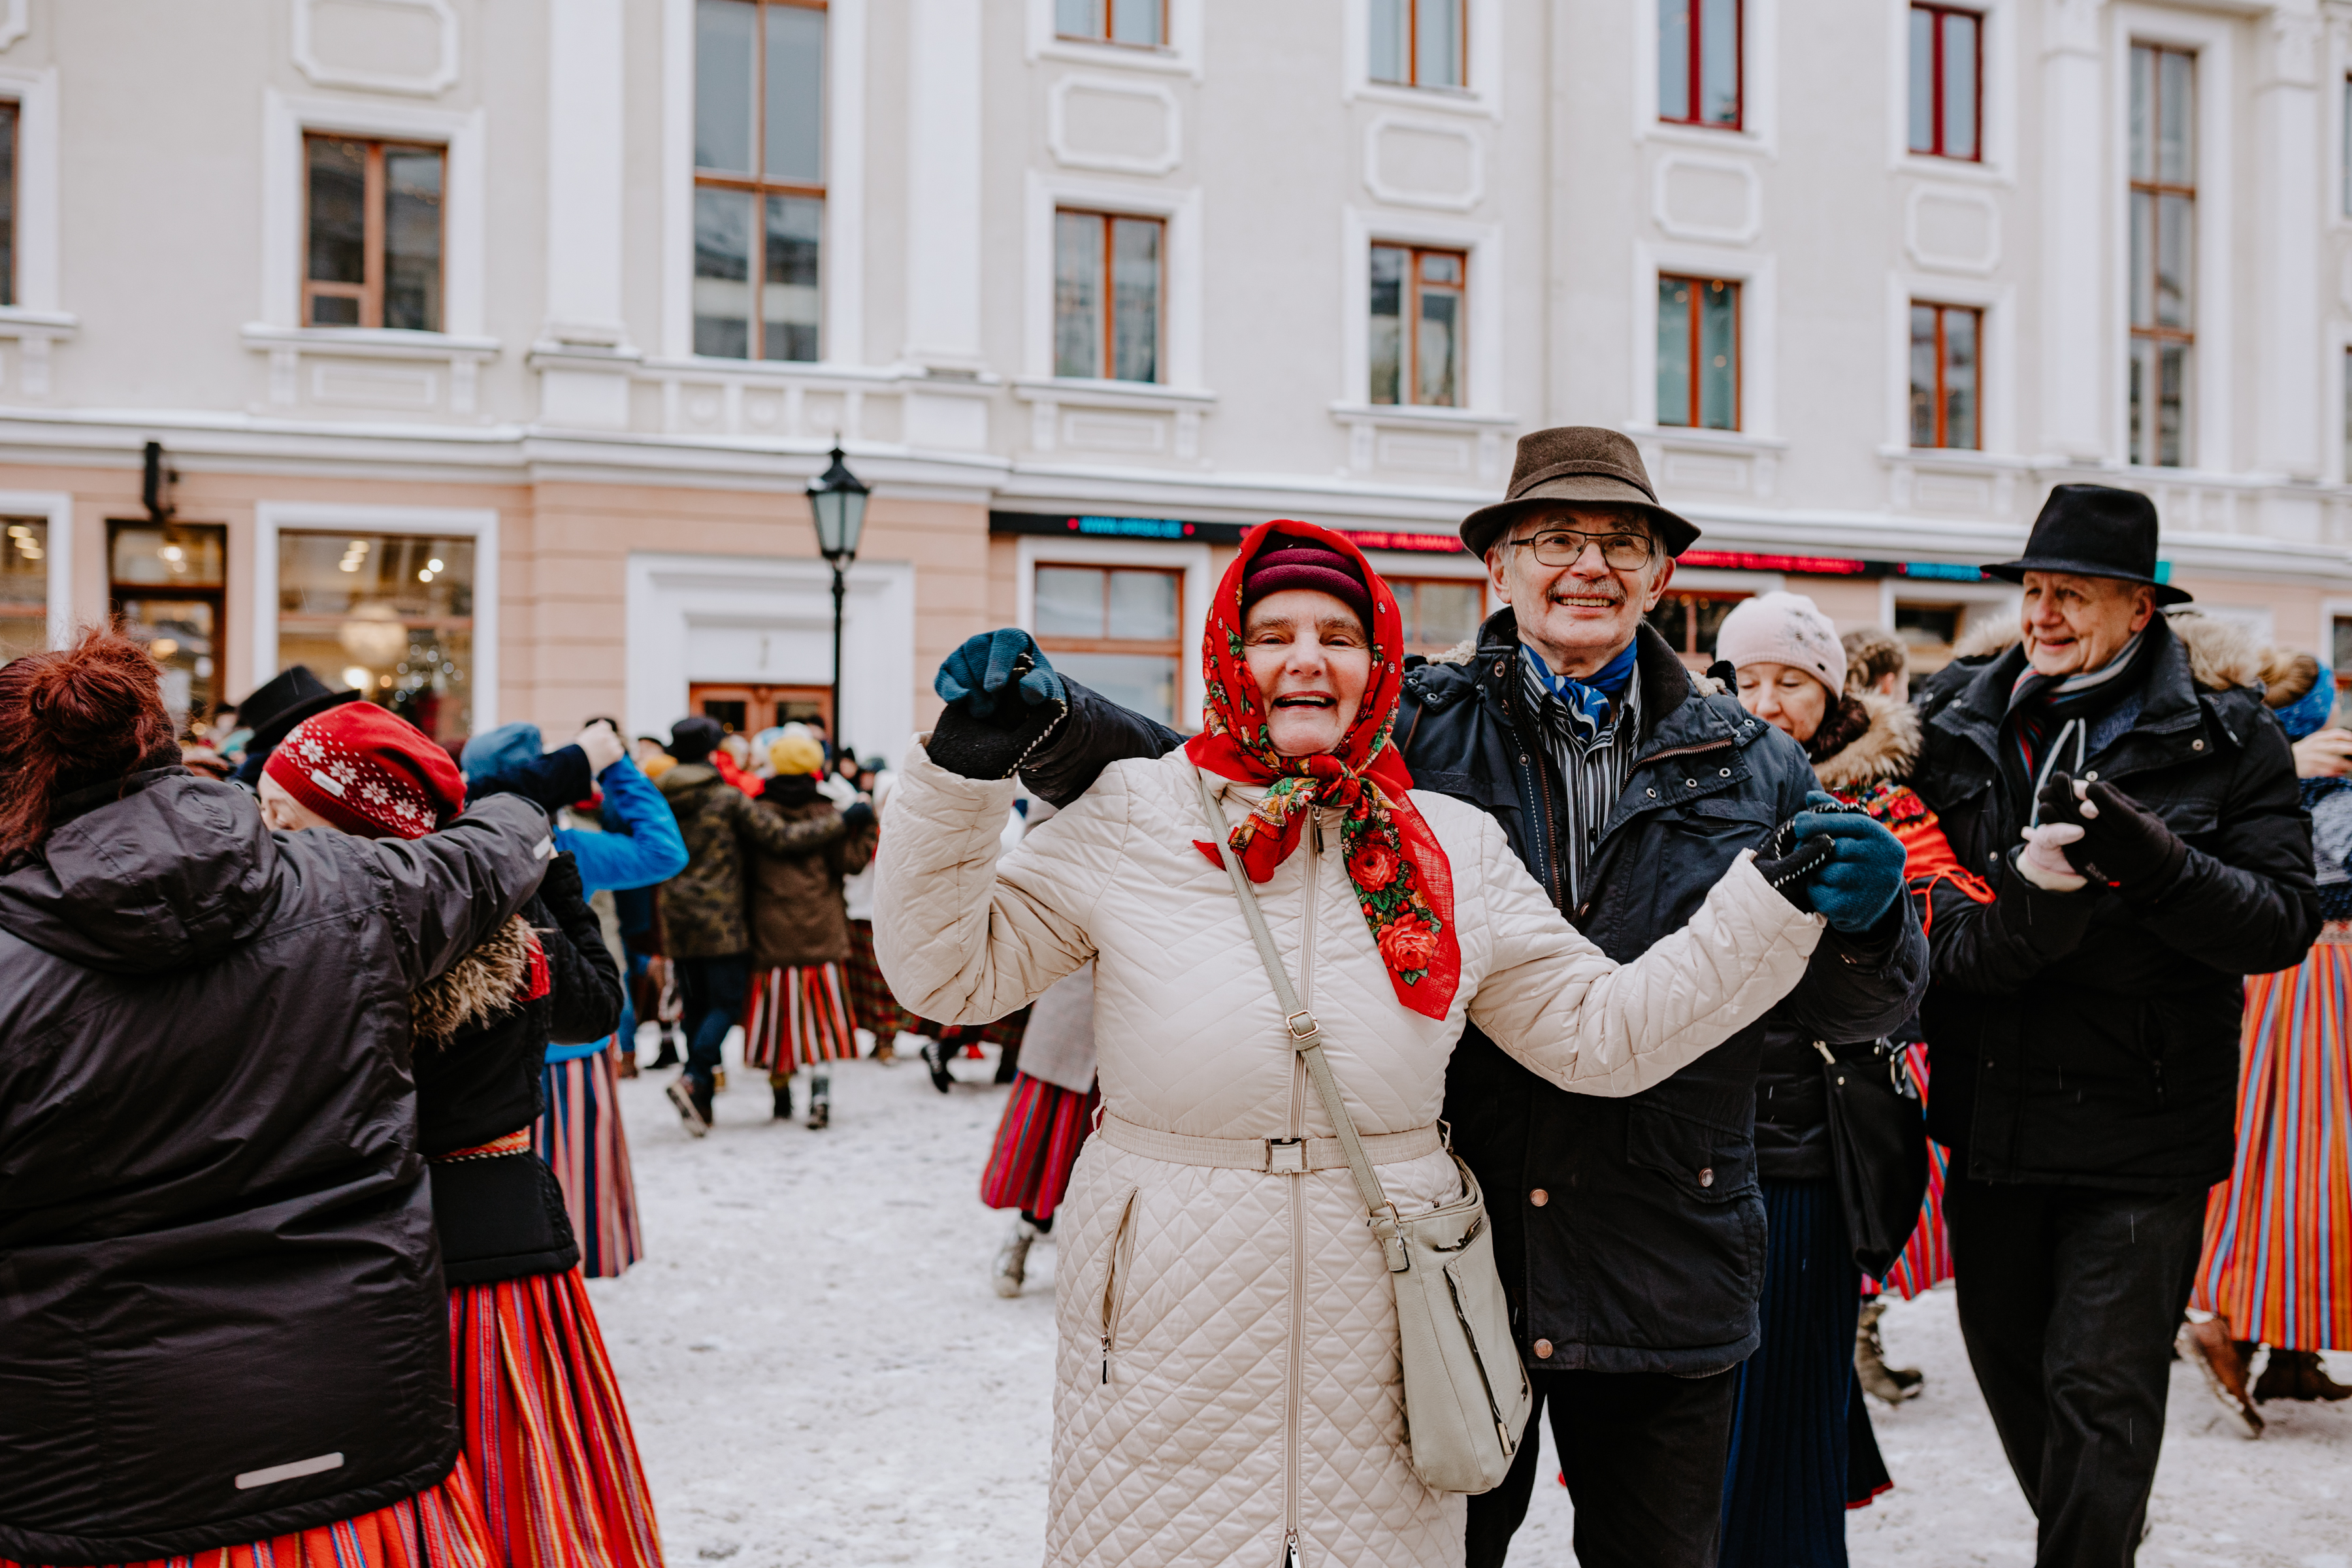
1926	1260
441	1527
797	1016
579	1133
2278	1236
546	1432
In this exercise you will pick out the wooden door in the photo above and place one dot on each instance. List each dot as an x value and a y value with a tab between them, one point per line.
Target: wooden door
746	709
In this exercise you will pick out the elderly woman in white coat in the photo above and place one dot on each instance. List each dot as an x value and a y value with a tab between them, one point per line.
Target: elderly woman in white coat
1226	1384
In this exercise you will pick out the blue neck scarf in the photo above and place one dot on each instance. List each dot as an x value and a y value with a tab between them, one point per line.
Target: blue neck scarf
1591	703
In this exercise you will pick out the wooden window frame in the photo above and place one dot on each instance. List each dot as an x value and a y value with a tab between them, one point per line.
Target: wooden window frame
1152	647
760	186
1943	358
1686	600
1694	68
1109	362
2156	189
1409	341
1698	351
1109	12
1935	82
1476	584
1413	51
369	290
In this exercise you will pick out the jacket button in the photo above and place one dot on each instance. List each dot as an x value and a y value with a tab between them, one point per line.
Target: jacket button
1542	1349
1653	795
1540	1197
2091	777
1690	784
1725	772
1706	1177
2195	745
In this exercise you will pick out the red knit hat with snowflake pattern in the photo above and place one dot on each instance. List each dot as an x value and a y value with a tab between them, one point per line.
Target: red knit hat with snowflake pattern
369	772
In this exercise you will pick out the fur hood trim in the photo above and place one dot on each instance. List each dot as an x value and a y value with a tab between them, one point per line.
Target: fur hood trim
2222	656
1883	753
478	987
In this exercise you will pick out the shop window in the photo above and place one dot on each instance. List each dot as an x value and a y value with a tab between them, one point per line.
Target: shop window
1139	24
24	587
2163	246
8	185
1438	613
375	234
1689	621
1106	290
1699	69
1699	352
1946	83
1946	377
1418	43
758	178
1115	630
166	583
748	710
1418	302
1928	633
391	614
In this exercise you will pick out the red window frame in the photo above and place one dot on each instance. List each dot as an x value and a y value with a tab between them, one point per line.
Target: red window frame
1944	313
1695	73
1935	83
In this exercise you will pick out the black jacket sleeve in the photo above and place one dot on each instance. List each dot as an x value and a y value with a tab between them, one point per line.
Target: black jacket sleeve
1096	733
556	780
584	985
1858	987
2250	904
1994	949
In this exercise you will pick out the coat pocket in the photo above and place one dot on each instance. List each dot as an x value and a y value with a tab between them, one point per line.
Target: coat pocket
1111	1297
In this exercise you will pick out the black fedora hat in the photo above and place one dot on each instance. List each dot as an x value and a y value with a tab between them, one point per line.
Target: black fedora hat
2093	531
273	709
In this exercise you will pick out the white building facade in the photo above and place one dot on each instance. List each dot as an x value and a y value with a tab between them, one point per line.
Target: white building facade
487	348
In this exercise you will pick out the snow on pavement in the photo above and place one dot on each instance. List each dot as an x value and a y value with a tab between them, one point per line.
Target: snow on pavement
820	1374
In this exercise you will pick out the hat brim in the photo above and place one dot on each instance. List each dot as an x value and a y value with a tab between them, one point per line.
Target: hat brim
2015	571
1482	527
267	736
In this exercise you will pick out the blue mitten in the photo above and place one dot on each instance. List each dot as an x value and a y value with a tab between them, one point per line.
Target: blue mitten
1854	888
981	675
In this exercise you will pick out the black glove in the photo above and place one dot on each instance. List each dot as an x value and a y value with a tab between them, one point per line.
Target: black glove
992	747
2124	843
551	782
858	815
1789	862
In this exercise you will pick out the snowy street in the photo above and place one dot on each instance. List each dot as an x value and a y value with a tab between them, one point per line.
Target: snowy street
819	1372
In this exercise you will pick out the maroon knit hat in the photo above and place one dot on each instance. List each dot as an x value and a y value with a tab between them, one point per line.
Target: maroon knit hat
1291	563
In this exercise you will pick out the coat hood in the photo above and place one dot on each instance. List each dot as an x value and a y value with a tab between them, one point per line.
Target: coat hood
172	874
685	778
1883	754
2222	656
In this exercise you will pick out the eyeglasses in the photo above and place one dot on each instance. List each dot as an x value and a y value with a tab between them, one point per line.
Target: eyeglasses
1565	547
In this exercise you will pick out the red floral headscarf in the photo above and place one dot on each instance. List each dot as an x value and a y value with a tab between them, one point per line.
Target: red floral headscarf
1403	883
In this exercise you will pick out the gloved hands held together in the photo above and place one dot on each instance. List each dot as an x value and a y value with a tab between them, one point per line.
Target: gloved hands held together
2122	841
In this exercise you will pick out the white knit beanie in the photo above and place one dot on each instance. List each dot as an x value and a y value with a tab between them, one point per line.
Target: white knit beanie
1783	628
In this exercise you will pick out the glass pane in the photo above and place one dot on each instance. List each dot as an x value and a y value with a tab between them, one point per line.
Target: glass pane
1439	267
1142	604
1718	62
335	310
183	557
788	300
2141	353
412	238
1437	60
1706	620
8	204
181	636
1923	81
1069	603
1437	349
796	94
2143	259
2171	404
1143	682
1078	19
2175	246
1448	612
1718	350
1674	59
725	68
338	210
1387	342
2143	105
723	273
24	587
1922	376
1135	298
1670	618
1390	57
2176	154
1960	379
391	614
1675	314
1135	22
1077	295
2342	639
1960	85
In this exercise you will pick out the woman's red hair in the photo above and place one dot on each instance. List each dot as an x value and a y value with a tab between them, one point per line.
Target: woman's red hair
82	716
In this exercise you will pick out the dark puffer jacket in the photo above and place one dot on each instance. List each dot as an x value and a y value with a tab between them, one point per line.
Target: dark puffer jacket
216	1249
703	907
2091	1038
798	913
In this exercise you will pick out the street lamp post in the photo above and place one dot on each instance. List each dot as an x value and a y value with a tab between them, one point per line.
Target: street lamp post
837	501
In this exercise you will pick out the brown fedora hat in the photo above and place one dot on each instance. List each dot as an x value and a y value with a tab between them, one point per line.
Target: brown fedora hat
1582	465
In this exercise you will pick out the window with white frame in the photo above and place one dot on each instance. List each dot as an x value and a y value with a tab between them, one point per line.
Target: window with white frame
1109	274
1946	83
2163	248
1139	24
1700	71
1420	300
24	587
1698	351
1115	628
392	613
1438	613
1947	377
759	177
373	255
1418	43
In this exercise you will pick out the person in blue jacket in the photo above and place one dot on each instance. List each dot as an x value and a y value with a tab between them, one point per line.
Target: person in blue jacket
632	843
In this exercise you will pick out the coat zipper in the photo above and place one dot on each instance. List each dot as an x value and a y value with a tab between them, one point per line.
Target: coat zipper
1113	1282
1294	1394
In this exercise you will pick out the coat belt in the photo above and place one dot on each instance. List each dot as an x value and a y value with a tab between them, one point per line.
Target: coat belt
1282	1156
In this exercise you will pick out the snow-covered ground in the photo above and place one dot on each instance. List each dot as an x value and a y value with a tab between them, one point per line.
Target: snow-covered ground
820	1374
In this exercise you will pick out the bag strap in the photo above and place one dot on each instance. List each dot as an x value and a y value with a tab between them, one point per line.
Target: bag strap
1306	1039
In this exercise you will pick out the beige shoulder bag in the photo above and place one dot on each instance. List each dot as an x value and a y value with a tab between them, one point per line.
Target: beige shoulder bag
1466	1397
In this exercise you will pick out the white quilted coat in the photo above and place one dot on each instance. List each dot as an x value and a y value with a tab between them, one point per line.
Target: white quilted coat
1227	1365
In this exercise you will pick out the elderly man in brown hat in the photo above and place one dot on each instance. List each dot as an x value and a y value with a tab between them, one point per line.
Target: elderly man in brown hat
1630	1232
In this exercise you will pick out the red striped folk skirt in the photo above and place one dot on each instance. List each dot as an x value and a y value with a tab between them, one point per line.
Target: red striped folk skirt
441	1527
1927	1261
579	1135
1037	1143
796	1016
546	1432
871	1004
2278	1236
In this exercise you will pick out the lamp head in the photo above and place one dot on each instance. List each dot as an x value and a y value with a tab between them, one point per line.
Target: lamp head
837	500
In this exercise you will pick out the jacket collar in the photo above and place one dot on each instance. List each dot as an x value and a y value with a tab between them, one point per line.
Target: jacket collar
2170	704
1666	685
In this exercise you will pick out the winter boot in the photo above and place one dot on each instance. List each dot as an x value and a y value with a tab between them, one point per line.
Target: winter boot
2297	1375
693	1102
668	1056
1008	1062
2207	1347
935	1056
782	1086
1012	1267
886	1051
820	1116
718	1080
1893	1385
